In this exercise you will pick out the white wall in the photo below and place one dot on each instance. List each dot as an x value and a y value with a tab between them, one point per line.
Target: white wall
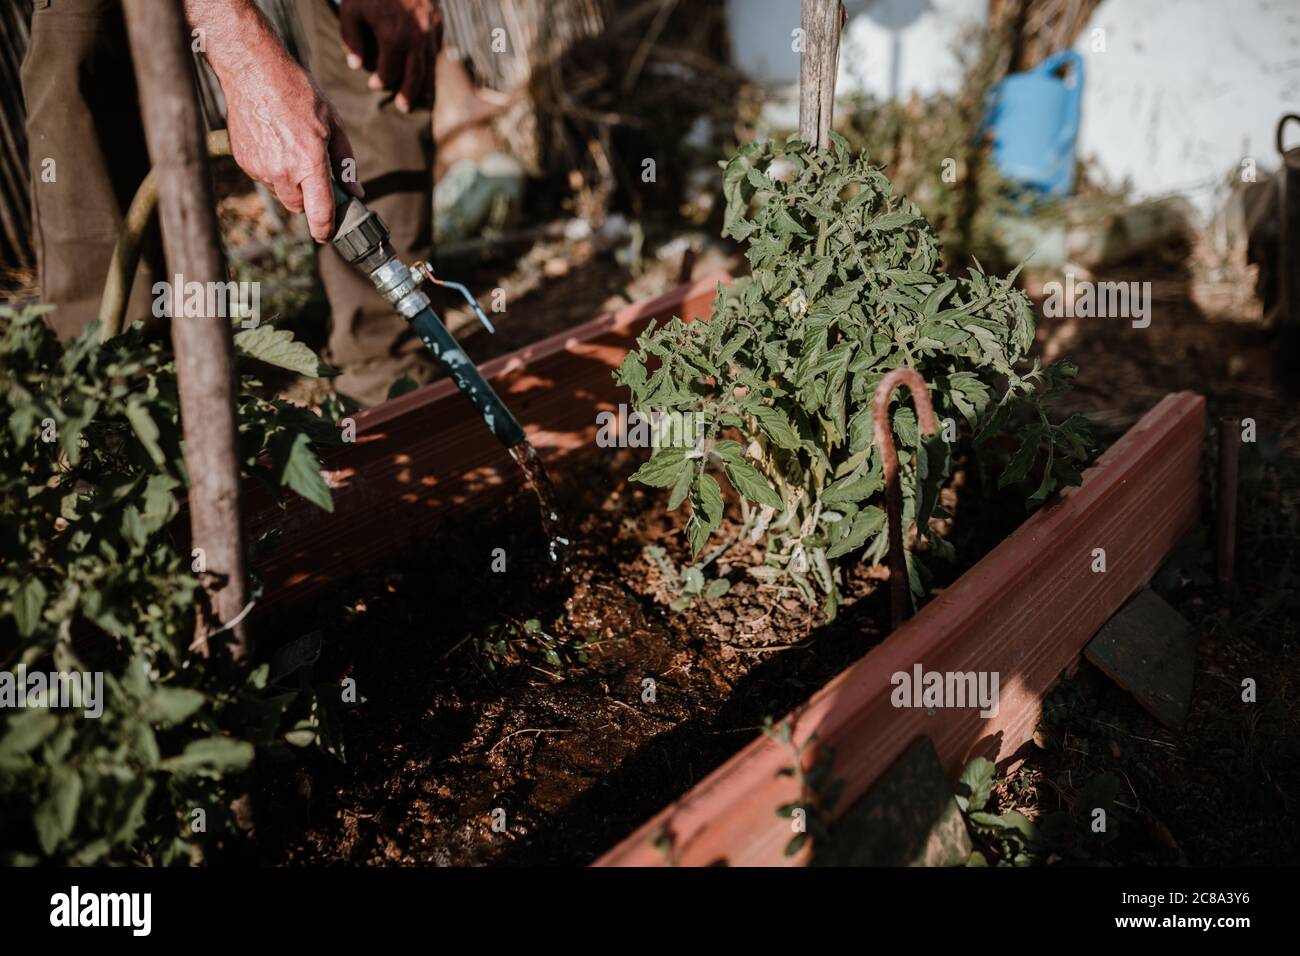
1183	91
1186	88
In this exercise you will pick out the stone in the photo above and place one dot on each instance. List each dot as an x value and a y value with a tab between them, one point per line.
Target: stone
1148	649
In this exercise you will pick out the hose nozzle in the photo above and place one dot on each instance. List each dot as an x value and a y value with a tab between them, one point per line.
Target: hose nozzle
361	237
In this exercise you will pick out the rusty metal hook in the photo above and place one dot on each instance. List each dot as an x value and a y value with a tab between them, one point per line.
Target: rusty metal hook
900	601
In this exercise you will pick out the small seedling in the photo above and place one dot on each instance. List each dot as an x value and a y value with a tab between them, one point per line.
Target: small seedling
818	792
1006	839
688	584
514	642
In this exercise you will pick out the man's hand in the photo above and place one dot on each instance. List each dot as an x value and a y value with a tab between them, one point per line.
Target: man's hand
397	40
283	132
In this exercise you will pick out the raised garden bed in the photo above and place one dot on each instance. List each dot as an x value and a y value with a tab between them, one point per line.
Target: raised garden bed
521	693
1025	611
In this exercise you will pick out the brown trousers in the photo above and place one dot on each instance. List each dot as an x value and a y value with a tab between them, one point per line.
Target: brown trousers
87	157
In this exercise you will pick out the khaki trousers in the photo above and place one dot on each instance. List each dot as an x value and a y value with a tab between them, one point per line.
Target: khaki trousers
87	157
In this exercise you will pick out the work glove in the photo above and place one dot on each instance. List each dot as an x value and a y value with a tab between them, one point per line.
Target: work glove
397	41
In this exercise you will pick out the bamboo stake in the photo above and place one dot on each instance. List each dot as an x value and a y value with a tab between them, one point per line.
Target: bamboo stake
821	22
159	40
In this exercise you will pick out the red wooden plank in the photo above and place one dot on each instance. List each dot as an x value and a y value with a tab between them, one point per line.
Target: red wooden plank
1024	611
426	452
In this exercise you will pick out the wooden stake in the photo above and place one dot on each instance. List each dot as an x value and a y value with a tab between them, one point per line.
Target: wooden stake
821	22
1229	456
160	42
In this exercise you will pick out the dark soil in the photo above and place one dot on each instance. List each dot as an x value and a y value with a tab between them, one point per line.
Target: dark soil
466	710
1223	789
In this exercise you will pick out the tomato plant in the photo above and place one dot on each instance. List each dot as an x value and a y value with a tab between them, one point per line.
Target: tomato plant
845	286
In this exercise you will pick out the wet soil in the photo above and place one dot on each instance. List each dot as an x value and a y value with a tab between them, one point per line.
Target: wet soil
567	710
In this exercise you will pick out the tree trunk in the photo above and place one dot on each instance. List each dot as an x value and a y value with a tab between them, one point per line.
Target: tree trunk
160	50
821	22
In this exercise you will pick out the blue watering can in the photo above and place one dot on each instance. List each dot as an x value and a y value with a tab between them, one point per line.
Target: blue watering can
1034	117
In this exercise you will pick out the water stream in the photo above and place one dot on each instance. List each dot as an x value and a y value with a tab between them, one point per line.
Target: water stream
525	455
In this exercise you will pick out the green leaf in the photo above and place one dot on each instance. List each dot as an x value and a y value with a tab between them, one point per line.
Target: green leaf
891	220
278	347
1015	822
706	512
27	730
665	468
146	429
631	374
906	428
1012	822
57	814
707	496
211	756
747	480
29	601
145	744
740	229
867	523
729	451
975	785
172	705
852	488
693	580
1018	468
1048	484
160	504
131	819
681	489
775	424
930	306
786	225
296	466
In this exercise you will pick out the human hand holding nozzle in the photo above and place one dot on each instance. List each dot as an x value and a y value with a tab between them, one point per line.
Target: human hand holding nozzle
283	132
